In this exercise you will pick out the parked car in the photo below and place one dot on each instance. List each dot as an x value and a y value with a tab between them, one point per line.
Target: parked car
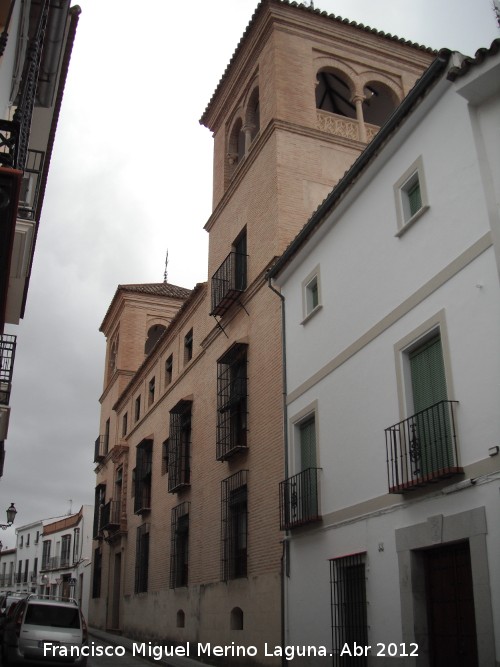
8	604
8	599
45	629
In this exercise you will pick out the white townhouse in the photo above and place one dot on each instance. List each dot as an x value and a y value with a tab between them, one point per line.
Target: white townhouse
7	570
28	557
390	502
66	556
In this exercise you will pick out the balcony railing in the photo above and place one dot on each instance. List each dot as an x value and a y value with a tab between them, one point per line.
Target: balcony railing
101	448
56	562
299	499
6	580
422	448
228	282
7	354
348	128
30	186
110	515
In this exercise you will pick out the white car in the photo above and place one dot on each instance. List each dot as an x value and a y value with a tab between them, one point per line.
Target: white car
45	629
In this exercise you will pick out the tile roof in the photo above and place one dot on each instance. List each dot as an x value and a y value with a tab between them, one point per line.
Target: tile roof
157	289
311	10
468	62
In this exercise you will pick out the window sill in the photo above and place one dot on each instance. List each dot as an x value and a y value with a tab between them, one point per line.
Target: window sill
312	313
409	223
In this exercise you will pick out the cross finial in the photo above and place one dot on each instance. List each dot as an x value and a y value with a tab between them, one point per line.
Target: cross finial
166	266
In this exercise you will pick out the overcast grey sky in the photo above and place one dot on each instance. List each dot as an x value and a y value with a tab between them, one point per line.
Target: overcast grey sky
131	176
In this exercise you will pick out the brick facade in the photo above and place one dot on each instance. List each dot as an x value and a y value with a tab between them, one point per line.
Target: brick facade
266	187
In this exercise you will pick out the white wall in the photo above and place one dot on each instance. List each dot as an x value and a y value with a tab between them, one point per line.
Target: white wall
376	290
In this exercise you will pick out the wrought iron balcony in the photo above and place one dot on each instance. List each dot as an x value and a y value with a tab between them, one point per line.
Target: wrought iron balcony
228	282
7	354
299	499
101	448
110	515
14	134
422	448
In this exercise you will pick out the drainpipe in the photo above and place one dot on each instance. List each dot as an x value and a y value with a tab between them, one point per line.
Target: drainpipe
285	541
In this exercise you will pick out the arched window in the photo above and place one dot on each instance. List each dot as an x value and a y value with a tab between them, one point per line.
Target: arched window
333	93
380	101
237	142
236	619
113	353
253	114
154	334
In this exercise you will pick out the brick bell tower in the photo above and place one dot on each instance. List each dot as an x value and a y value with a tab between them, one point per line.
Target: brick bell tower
300	99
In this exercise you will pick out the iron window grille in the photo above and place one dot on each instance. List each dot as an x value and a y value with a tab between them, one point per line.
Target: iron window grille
232	392
101	448
348	607
229	281
100	496
179	447
110	515
7	354
164	457
422	448
142	559
234	526
143	469
96	575
179	545
299	499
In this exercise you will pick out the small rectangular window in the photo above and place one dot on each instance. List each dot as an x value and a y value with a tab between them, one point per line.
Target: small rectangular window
151	391
124	424
188	346
169	366
137	413
411	196
311	293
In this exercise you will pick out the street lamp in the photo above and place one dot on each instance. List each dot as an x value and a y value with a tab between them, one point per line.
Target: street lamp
11	515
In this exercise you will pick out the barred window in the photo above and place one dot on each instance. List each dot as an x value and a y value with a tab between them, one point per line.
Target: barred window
234	531
142	558
179	446
232	402
142	496
179	545
96	575
349	610
100	497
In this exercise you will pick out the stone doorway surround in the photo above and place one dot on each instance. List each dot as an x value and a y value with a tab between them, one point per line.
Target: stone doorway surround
440	530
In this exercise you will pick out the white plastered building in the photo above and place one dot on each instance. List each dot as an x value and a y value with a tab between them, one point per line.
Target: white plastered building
390	502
